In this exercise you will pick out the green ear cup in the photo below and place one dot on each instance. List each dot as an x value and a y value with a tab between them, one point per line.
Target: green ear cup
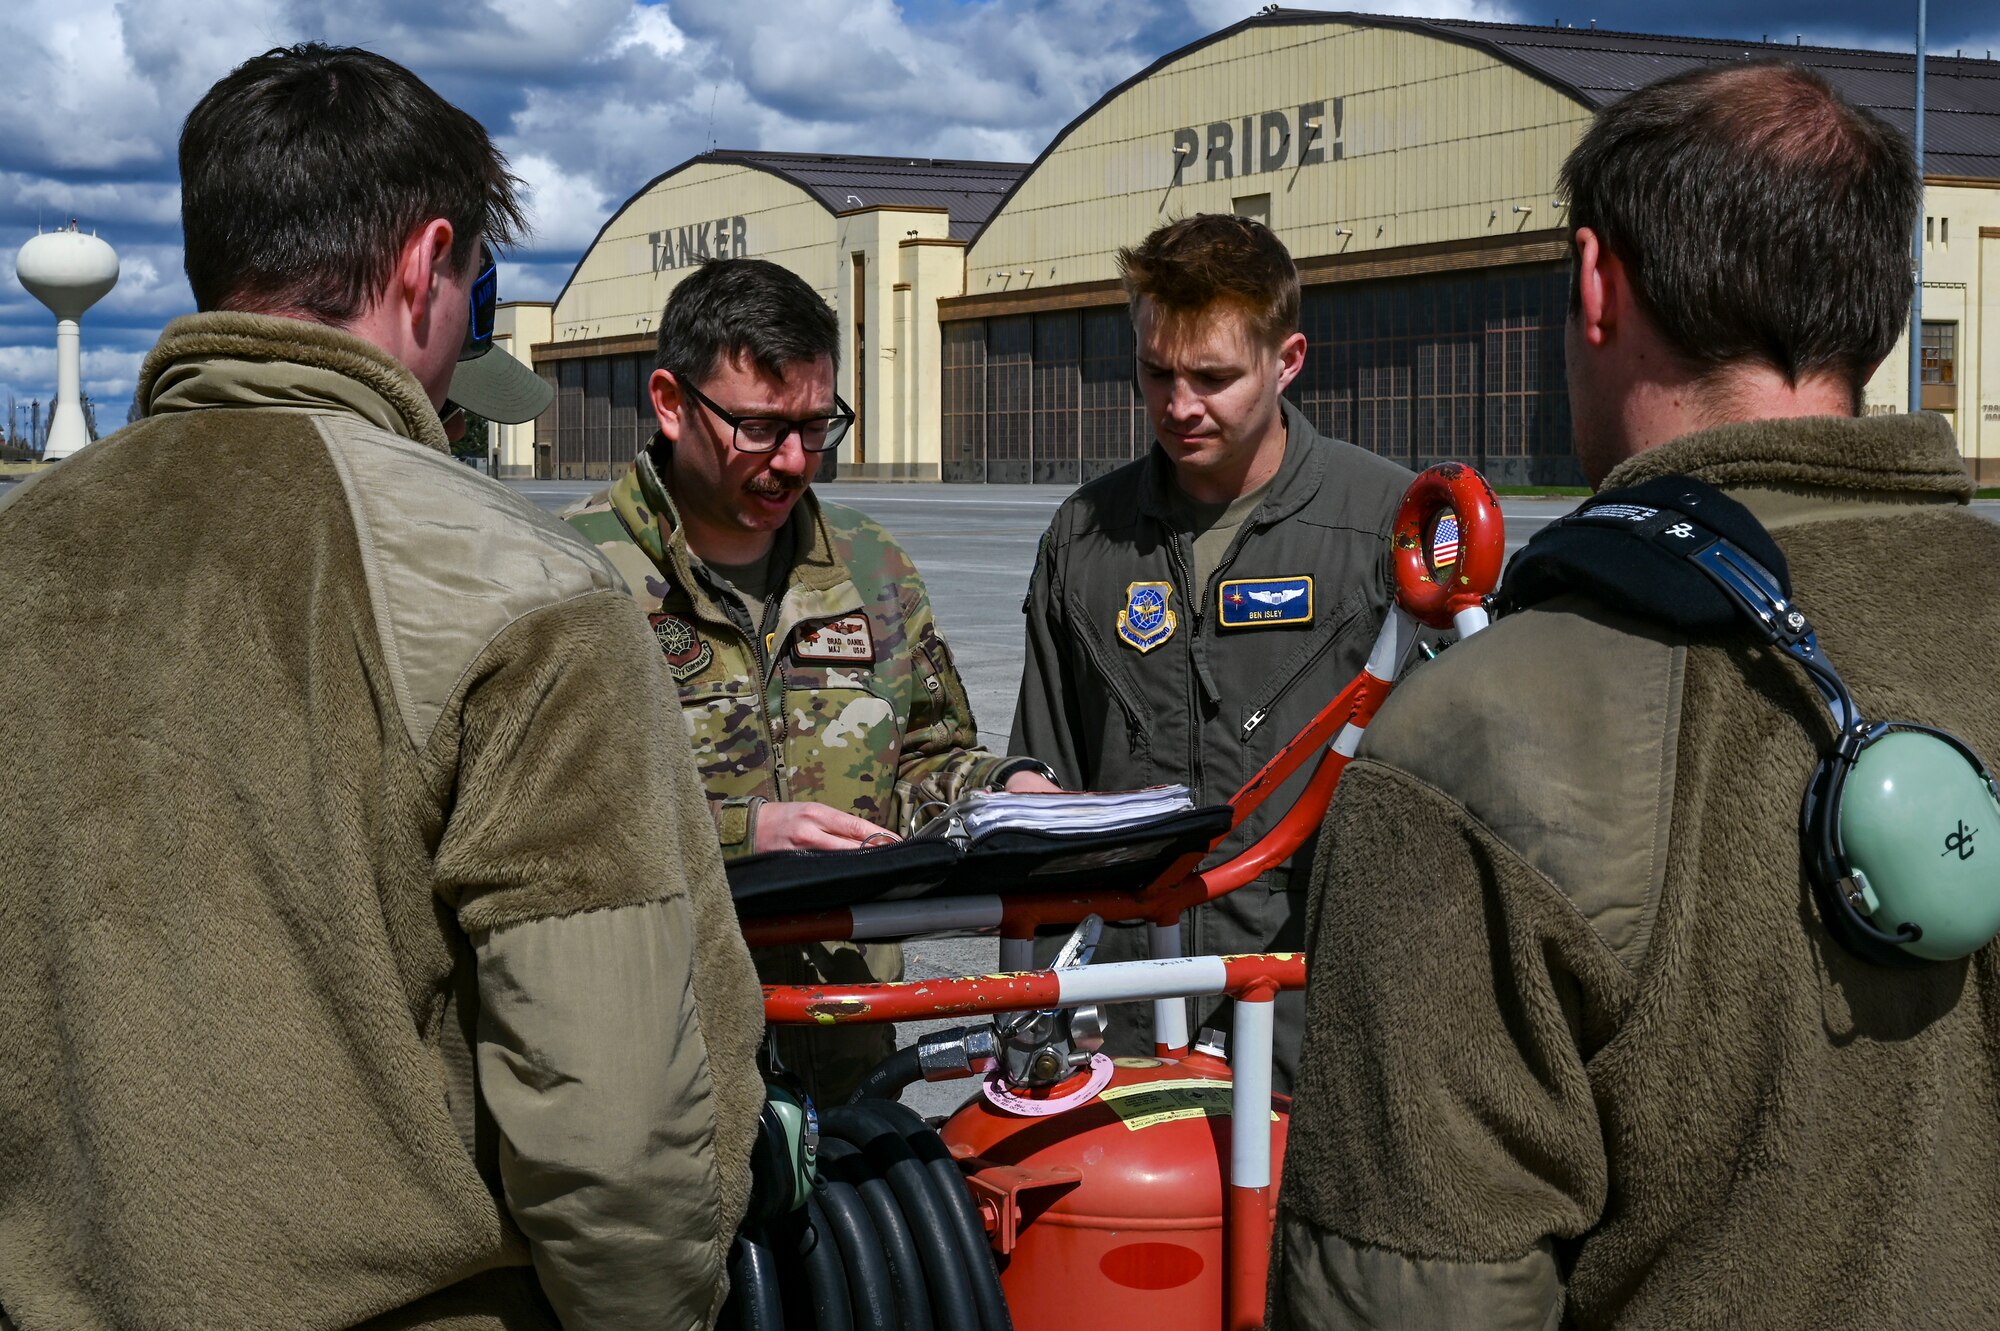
1921	830
785	1154
801	1128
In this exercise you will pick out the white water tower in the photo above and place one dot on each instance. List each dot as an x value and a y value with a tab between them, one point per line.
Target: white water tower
69	272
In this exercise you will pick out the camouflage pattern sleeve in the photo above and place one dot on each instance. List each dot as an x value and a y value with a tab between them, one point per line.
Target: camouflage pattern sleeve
736	823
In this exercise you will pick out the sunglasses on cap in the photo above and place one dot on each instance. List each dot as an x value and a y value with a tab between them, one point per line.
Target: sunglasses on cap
485	297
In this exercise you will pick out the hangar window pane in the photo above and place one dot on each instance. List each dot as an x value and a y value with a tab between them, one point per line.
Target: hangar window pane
1527	401
1058	349
546	427
1451	366
1113	414
624	408
597	419
569	420
1010	345
1330	317
965	401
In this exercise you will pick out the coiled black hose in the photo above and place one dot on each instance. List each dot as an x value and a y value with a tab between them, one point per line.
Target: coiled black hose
825	1275
871	1293
889	1239
844	1161
944	1265
755	1302
964	1218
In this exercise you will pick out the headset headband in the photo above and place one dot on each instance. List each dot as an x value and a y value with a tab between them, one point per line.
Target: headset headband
1755	590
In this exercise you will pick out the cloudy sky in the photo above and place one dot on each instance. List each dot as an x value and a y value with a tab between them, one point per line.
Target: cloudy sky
592	98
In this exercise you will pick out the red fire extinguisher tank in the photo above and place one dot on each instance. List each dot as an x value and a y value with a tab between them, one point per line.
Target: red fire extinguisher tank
1135	1238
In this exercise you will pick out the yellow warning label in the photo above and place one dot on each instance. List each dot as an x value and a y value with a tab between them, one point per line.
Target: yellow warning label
1152	1103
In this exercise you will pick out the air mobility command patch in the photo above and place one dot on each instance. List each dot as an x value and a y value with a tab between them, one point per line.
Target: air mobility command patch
1257	603
843	639
687	652
1145	622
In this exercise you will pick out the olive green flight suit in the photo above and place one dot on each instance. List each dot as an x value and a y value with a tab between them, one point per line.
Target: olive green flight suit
1127	683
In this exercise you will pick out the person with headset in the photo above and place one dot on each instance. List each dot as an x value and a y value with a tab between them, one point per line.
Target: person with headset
1652	980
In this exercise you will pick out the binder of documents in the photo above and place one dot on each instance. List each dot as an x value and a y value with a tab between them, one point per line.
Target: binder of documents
992	842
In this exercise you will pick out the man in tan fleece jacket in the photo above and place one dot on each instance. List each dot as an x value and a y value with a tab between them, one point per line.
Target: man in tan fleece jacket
1580	1050
367	955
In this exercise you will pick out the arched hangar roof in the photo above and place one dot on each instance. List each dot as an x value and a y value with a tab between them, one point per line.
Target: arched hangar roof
1597	67
840	182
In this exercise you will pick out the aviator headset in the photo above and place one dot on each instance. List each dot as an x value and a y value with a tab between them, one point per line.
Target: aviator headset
1896	813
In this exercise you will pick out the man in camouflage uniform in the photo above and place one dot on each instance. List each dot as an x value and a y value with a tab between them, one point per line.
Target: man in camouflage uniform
823	704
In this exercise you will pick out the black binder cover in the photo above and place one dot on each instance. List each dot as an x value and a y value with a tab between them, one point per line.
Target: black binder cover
1006	862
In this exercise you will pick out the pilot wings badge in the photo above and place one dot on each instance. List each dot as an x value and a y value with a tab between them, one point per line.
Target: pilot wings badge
1145	622
1254	603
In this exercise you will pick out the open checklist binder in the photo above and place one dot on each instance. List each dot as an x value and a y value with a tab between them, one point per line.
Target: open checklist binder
993	842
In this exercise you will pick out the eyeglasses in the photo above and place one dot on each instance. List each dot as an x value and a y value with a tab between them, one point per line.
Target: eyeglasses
485	295
766	434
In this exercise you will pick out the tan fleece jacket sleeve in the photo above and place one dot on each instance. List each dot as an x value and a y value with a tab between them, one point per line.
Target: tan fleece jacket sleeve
1444	1132
593	1065
619	1013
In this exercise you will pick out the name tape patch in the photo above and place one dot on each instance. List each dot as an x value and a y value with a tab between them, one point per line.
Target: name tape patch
1255	603
843	639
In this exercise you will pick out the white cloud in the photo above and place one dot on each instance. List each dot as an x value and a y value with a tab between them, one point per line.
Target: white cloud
94	204
565	208
652	28
29	374
533	281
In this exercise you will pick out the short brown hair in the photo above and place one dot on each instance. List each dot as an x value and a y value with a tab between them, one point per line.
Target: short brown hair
1761	215
305	169
1188	265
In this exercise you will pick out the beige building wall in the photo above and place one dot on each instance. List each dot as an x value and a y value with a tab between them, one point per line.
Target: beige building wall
517	326
624	280
1962	288
895	264
1360	139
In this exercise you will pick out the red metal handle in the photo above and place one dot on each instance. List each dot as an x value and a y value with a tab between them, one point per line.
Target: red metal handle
1482	544
1020	991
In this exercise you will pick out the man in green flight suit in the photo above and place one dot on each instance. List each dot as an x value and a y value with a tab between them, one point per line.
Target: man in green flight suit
824	707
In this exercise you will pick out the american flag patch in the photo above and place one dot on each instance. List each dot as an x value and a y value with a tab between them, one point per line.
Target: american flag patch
1444	541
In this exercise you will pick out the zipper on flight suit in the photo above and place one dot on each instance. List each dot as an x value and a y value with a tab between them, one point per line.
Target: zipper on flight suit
1271	702
774	724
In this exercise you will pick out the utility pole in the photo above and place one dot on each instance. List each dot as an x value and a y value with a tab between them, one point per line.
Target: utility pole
1917	248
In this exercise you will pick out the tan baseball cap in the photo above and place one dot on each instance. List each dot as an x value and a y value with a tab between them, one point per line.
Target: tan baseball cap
500	388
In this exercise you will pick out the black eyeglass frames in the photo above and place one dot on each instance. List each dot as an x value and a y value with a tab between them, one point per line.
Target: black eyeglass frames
766	434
